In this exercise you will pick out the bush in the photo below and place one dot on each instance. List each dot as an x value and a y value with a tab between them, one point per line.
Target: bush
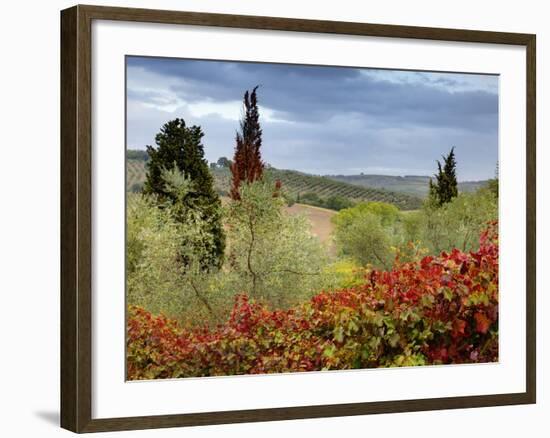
333	202
375	233
338	203
367	232
387	213
438	310
310	198
456	224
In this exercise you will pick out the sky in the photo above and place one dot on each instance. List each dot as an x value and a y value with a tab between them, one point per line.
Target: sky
323	120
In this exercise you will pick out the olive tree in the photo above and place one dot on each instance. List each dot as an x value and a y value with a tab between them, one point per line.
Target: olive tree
273	256
162	274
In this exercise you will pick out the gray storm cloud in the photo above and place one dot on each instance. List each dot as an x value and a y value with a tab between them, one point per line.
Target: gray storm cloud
324	120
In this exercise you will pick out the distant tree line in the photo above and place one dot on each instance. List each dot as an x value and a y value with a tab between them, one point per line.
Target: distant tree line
333	202
133	154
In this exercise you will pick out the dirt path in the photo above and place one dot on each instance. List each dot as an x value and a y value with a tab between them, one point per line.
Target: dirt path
320	219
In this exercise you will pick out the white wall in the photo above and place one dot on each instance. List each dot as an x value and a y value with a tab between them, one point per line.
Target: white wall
29	218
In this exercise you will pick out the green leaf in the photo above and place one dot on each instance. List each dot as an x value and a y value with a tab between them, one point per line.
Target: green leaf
329	350
427	301
394	339
338	334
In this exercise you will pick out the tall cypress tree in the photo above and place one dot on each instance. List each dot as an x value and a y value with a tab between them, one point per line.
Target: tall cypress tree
180	146
492	184
247	164
445	187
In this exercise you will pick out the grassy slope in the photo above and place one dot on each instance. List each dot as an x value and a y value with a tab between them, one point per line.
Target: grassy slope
412	185
295	183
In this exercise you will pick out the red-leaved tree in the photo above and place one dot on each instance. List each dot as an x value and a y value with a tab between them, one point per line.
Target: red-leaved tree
247	164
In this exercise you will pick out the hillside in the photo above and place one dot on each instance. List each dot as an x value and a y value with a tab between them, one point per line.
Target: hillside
321	222
416	185
294	184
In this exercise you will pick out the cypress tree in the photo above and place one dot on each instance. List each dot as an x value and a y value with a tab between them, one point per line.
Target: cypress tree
492	184
247	164
180	146
445	187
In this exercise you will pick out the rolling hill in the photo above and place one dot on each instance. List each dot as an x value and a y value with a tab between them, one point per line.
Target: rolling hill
294	183
416	185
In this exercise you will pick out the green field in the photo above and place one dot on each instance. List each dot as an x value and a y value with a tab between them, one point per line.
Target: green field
294	184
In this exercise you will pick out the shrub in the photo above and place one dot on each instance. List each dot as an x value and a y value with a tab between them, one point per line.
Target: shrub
438	310
337	203
367	232
333	202
456	224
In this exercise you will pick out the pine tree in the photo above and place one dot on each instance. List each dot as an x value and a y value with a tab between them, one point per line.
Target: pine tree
247	165
445	187
179	146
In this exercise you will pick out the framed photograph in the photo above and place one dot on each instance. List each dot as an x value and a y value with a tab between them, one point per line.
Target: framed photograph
269	218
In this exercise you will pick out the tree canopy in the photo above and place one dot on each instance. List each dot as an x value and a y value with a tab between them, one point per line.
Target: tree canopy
445	187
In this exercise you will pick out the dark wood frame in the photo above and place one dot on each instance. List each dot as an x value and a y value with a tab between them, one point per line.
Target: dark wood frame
76	237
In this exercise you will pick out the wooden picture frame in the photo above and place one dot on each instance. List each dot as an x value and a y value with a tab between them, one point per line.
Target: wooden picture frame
76	217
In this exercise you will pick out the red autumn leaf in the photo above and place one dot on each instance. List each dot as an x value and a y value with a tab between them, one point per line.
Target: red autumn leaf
426	261
482	322
458	328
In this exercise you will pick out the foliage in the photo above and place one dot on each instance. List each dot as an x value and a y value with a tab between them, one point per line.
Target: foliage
156	277
137	154
492	184
247	164
374	233
445	187
346	272
332	202
224	162
338	203
454	225
367	232
272	255
180	147
388	213
366	241
438	310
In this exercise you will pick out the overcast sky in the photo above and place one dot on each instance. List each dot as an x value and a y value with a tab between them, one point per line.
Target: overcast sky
324	120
